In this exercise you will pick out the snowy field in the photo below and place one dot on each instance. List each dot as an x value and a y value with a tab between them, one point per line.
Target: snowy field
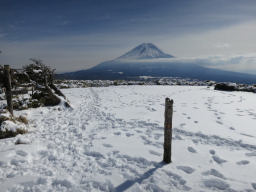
112	140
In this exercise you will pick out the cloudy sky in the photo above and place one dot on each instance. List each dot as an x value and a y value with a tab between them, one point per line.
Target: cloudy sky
72	35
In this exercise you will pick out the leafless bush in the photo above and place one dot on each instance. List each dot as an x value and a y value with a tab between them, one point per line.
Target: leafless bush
39	72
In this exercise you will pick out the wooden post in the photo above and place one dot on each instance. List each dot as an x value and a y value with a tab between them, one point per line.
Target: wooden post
32	90
168	130
8	87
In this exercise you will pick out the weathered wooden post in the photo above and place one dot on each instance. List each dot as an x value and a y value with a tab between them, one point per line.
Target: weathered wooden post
8	87
168	130
32	90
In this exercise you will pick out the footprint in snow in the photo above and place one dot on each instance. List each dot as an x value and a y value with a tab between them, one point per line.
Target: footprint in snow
212	152
158	135
252	154
177	137
182	124
94	154
214	173
243	162
138	131
16	162
63	183
154	153
129	134
218	160
195	121
151	109
216	184
107	145
246	135
117	133
21	153
191	149
43	153
10	175
186	169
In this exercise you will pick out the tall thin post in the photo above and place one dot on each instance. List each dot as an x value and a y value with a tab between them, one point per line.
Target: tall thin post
168	130
8	87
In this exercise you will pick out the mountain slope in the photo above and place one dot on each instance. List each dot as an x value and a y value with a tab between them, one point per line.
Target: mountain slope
148	60
112	70
145	51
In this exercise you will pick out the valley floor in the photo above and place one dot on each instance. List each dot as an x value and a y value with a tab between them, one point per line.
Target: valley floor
112	140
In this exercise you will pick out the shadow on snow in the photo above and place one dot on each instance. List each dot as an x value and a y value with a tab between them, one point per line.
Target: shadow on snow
127	184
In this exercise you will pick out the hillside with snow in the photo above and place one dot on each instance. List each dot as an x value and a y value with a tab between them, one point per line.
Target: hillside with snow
112	140
148	60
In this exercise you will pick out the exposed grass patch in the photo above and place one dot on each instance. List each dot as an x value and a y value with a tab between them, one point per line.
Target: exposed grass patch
12	126
8	133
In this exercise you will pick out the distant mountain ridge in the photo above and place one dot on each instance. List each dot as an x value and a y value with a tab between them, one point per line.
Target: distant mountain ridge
148	60
145	51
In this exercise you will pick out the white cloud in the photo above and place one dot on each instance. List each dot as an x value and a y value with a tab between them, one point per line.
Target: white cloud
237	39
222	45
225	48
231	48
236	63
239	63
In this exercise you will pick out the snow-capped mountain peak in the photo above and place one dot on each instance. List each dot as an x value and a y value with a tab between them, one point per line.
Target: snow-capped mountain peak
145	51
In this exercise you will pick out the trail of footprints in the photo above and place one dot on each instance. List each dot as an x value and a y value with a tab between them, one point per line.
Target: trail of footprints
219	181
153	135
150	133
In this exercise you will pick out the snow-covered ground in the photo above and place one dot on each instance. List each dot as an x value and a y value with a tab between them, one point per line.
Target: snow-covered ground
112	140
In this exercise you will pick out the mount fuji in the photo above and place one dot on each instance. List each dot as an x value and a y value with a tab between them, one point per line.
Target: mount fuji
148	60
145	51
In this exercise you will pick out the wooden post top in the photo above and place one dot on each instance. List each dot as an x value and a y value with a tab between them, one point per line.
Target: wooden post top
168	101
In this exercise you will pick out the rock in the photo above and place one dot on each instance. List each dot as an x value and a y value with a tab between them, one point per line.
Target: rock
22	141
225	87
